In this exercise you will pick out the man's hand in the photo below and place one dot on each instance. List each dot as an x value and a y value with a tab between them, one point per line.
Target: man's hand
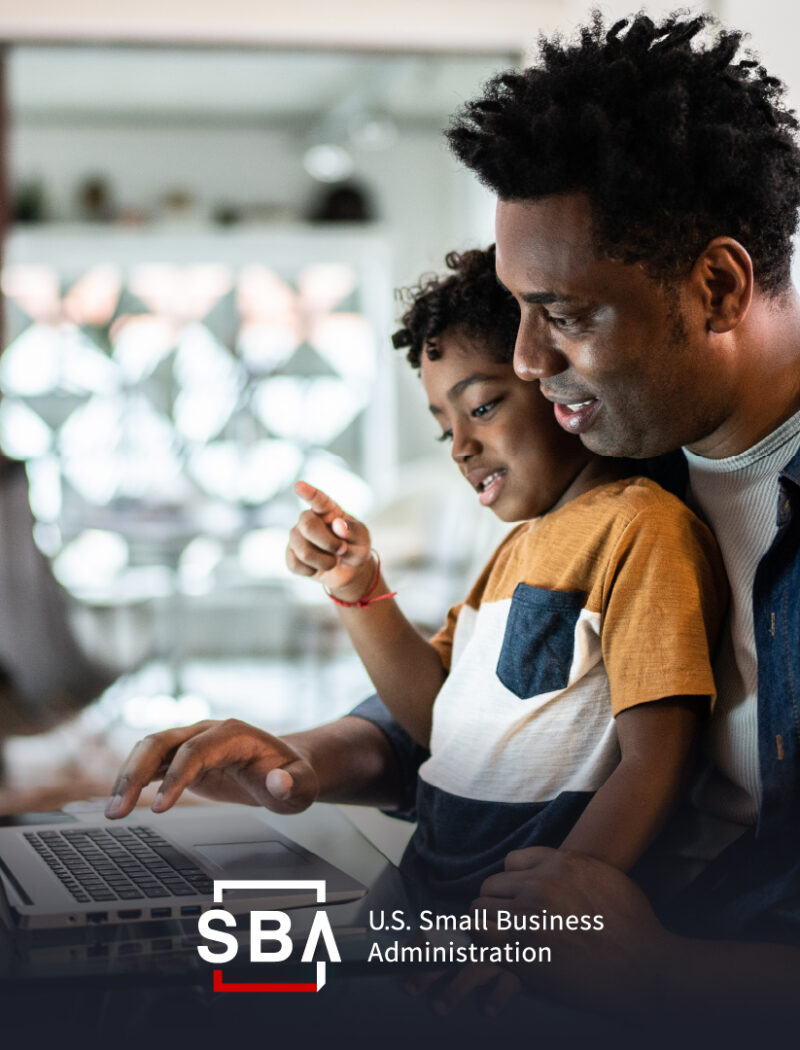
619	967
228	761
330	546
495	985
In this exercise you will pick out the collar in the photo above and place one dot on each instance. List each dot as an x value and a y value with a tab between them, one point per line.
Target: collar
791	472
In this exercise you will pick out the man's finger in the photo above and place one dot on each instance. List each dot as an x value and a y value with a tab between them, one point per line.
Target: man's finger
220	747
144	764
506	987
531	857
491	905
506	884
418	983
293	785
468	978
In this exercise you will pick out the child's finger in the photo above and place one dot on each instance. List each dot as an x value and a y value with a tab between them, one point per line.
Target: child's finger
356	535
320	501
308	554
296	566
316	532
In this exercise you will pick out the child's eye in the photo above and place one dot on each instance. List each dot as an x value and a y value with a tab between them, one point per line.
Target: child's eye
485	408
446	435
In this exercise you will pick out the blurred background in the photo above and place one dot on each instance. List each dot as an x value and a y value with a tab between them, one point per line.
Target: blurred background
205	214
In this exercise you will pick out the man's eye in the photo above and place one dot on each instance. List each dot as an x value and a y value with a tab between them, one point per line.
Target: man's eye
446	435
486	407
563	323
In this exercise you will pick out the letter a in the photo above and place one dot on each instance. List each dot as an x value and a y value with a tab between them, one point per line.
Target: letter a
321	927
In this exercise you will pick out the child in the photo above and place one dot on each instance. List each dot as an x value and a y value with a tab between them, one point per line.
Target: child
561	700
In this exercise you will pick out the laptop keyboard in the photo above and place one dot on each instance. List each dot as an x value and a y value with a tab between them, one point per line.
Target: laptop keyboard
119	864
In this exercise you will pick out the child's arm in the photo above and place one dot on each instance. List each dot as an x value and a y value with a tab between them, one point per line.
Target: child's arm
626	813
330	546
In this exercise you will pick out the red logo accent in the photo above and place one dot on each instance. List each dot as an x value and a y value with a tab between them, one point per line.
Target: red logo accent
243	986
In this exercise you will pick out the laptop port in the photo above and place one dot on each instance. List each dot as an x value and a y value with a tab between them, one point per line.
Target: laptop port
130	948
162	944
190	909
160	913
97	951
97	916
130	913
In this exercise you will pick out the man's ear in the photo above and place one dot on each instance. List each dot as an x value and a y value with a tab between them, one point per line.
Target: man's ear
723	275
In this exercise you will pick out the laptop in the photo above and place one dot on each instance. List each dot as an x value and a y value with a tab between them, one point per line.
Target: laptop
75	870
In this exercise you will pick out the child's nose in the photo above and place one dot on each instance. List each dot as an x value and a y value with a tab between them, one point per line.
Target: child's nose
464	446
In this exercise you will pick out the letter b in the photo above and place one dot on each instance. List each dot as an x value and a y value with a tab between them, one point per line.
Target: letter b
279	933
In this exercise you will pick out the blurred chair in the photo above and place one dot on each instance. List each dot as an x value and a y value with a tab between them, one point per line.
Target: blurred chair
45	675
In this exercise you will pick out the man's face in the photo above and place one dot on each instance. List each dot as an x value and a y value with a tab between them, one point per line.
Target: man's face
623	358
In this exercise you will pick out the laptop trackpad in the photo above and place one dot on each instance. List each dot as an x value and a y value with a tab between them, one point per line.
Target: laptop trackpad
254	860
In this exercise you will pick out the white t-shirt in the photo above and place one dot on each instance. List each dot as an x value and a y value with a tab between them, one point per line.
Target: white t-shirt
738	497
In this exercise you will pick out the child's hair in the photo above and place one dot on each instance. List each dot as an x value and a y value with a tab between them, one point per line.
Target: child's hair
470	300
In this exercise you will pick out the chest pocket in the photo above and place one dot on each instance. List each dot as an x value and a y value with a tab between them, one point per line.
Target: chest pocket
538	643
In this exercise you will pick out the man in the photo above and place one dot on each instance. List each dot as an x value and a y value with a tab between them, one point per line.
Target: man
647	190
647	196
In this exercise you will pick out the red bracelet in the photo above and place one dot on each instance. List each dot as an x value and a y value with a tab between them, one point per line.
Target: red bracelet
365	598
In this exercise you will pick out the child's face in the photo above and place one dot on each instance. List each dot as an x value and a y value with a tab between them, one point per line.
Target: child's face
504	436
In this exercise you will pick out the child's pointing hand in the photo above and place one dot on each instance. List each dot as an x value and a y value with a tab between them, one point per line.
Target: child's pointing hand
330	546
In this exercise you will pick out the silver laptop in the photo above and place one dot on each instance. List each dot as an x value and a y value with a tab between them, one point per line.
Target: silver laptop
79	870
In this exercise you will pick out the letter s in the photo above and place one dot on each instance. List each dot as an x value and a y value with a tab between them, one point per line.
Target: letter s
205	930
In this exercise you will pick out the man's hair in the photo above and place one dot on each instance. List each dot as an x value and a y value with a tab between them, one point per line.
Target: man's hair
673	142
469	300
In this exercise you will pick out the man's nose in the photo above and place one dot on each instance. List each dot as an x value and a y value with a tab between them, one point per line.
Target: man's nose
535	356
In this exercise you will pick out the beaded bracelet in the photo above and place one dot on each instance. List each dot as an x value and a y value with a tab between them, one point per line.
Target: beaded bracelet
365	599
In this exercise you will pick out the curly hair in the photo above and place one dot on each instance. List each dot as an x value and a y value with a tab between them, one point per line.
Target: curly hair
673	142
470	300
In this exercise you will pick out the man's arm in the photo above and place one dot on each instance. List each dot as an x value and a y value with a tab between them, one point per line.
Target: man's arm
632	965
350	760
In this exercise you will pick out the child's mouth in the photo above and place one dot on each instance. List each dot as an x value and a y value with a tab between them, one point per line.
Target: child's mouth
489	488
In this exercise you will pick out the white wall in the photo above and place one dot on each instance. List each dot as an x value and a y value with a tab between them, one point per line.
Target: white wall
429	204
426	202
773	27
395	24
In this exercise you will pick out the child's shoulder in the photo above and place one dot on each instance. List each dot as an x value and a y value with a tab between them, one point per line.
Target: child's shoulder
625	499
590	526
633	505
638	508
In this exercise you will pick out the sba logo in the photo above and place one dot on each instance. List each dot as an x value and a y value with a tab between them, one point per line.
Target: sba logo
266	927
